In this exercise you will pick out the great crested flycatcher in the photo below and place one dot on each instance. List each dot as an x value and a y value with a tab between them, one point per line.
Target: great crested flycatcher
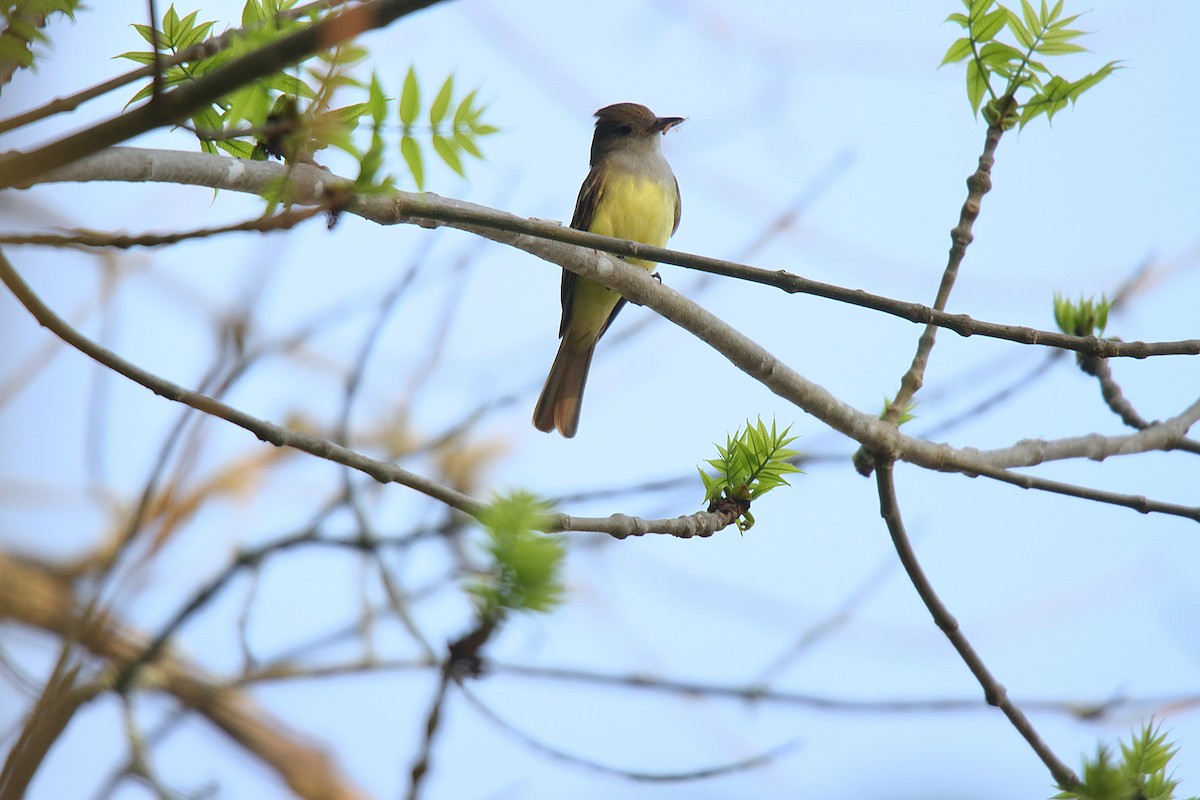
630	193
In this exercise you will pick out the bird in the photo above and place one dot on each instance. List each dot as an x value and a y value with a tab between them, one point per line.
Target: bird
629	193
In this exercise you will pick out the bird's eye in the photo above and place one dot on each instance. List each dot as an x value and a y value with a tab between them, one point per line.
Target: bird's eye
624	130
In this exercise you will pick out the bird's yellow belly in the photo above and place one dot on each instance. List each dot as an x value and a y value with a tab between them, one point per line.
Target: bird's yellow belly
637	209
630	208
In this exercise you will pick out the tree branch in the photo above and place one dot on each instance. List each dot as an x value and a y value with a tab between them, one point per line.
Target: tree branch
312	186
1116	401
382	471
619	525
83	238
978	184
565	247
993	691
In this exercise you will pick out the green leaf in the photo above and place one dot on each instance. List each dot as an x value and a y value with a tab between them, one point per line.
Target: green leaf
998	53
146	32
446	149
1142	771
752	463
347	115
1086	317
412	156
138	56
464	113
1020	31
195	35
371	161
976	85
977	8
1080	86
957	52
15	50
252	14
142	94
441	103
959	19
1062	23
467	143
989	25
1059	48
237	148
188	22
1062	34
484	130
250	104
376	100
286	83
170	25
410	99
524	573
1031	17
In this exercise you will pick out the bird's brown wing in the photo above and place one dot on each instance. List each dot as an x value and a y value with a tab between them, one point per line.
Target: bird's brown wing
589	198
585	210
678	205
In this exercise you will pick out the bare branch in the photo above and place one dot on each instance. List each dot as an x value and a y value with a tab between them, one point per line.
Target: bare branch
382	471
618	525
1115	399
978	184
993	691
550	242
84	238
650	777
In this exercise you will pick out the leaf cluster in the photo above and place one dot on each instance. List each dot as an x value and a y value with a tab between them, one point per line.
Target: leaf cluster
525	569
1087	317
289	114
451	134
752	463
251	122
22	28
1141	773
1014	65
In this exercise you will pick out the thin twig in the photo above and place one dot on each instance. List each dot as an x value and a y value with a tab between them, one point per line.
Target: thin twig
86	239
1115	399
433	720
282	668
1137	502
993	691
701	773
382	471
978	184
463	658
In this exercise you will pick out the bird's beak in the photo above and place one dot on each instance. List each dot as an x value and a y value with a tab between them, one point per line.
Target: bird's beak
664	124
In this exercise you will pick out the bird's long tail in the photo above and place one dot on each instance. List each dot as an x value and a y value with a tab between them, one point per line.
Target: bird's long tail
562	396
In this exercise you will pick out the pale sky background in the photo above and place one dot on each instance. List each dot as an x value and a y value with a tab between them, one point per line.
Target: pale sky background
839	111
